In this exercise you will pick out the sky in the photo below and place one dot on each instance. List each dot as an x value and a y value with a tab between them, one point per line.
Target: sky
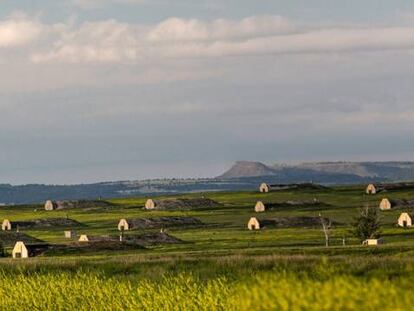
102	90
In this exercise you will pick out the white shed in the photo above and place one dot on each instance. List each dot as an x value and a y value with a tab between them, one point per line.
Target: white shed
253	224
123	225
385	205
405	220
150	204
83	238
371	189
264	188
260	207
50	205
70	234
372	242
6	225
20	250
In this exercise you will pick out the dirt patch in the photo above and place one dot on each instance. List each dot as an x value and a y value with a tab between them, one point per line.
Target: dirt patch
164	222
296	221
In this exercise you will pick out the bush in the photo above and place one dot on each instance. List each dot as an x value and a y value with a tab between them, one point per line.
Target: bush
367	224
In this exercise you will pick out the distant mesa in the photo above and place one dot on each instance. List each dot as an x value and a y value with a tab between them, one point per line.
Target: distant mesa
248	169
378	171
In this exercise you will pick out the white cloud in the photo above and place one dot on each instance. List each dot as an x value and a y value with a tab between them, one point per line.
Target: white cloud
115	42
176	29
107	41
18	31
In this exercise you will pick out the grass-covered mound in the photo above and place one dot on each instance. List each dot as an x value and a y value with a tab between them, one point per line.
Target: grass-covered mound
293	221
9	238
148	239
82	204
163	222
181	204
46	223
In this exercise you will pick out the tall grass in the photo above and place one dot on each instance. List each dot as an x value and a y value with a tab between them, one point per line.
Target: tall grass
271	291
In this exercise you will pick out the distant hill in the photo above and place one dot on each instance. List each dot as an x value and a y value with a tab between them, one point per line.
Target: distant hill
393	171
248	169
390	171
244	175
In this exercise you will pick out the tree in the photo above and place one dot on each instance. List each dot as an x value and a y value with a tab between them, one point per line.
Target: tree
326	225
367	225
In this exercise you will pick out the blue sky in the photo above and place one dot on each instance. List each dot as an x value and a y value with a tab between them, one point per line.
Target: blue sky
96	90
157	10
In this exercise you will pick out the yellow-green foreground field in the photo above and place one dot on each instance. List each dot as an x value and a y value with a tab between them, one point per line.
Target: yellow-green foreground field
222	266
265	285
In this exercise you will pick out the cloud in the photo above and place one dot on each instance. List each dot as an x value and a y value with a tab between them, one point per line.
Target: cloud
107	41
176	29
115	42
19	30
118	91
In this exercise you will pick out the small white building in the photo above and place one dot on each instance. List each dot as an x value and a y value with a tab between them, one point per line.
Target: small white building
372	242
405	220
386	204
371	189
6	225
70	234
260	207
150	204
253	224
123	225
50	205
20	250
83	238
264	188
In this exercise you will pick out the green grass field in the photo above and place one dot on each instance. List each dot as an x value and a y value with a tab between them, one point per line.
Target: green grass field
222	266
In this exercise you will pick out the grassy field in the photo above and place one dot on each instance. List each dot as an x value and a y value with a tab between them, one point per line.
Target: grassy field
221	266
